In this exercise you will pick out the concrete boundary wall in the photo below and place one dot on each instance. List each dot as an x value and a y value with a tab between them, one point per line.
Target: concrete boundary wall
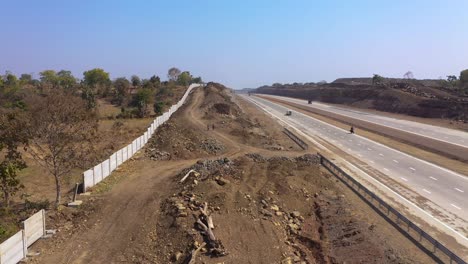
105	168
113	162
12	250
134	147
15	248
126	151
88	178
34	227
119	157
99	172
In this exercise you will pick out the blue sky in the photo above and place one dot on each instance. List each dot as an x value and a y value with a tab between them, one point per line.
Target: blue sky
238	43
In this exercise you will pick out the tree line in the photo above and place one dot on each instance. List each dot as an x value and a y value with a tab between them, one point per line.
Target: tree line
54	119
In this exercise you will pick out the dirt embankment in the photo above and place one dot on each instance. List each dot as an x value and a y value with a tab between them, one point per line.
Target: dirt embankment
266	206
215	110
269	210
402	98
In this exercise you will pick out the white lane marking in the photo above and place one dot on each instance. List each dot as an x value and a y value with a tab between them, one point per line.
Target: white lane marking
369	149
359	155
455	206
385	169
359	144
435	179
371	161
349	149
380	154
411	168
427	191
396	161
459	190
403	179
350	140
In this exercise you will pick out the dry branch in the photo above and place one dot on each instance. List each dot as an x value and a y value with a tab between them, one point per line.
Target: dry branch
194	253
186	175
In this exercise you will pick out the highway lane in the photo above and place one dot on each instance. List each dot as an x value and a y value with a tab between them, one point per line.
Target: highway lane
447	189
452	136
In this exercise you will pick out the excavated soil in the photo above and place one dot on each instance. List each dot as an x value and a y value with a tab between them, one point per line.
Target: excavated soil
268	205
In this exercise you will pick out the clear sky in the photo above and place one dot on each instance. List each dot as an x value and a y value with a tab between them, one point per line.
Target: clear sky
239	43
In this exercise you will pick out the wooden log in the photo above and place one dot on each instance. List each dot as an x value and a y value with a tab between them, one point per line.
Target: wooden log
194	253
186	175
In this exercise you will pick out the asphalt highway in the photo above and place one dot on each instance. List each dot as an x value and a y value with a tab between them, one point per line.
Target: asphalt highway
443	187
451	136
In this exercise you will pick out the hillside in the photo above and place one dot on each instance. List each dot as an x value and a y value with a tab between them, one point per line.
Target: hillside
410	97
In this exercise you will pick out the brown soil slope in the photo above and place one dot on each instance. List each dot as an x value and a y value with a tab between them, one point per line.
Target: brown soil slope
403	98
274	207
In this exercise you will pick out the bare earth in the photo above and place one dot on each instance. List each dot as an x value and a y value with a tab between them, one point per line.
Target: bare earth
270	203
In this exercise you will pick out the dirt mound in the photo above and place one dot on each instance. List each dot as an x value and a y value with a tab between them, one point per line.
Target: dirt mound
176	141
265	210
223	109
226	113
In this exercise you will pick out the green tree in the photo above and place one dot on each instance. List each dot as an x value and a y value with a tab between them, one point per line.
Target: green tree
89	97
184	78
155	81
143	98
197	80
452	80
136	81
10	80
66	79
158	108
26	78
95	77
464	79
377	79
98	80
12	136
122	85
49	78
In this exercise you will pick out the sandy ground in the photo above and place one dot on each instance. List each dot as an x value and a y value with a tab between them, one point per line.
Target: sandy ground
274	206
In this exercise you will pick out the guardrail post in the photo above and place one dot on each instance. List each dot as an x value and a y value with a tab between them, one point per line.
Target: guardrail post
435	246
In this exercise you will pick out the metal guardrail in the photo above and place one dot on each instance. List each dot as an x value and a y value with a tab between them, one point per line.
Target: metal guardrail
403	222
296	139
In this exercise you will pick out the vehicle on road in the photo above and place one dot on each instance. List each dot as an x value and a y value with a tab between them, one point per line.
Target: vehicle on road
288	113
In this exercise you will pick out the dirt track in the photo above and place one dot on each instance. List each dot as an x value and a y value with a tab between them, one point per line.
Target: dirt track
128	218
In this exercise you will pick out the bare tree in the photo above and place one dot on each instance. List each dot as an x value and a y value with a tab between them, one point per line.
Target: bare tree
408	75
173	73
61	129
